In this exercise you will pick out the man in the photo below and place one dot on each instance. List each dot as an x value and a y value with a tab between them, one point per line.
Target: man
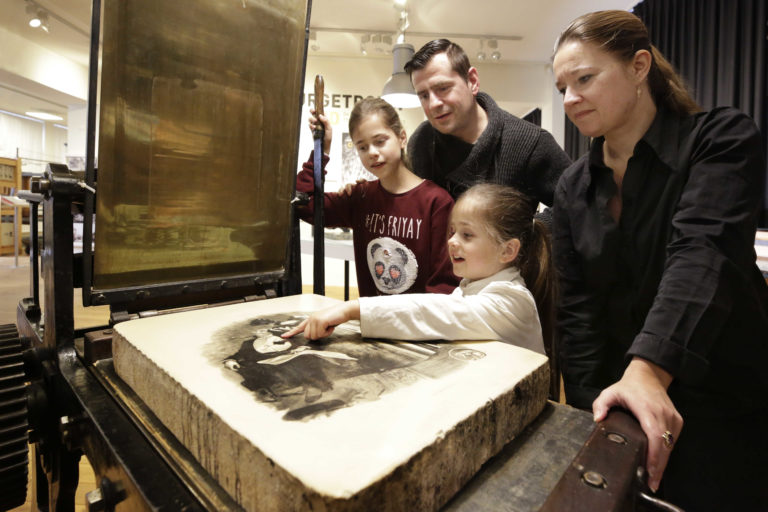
467	138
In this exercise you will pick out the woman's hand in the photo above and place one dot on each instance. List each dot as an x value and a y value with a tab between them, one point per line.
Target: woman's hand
328	131
643	391
322	323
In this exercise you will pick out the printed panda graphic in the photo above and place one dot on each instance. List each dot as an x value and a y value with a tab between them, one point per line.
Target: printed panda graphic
393	266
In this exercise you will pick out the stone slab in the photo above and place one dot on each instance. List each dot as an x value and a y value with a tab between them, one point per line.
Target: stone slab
333	425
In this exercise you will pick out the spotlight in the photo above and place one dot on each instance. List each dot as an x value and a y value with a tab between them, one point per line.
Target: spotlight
376	40
43	16
37	17
493	45
480	53
313	41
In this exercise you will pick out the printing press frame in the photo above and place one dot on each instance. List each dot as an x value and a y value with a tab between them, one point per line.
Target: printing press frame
73	403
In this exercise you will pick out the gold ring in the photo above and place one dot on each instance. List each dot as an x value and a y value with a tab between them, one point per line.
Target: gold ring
669	439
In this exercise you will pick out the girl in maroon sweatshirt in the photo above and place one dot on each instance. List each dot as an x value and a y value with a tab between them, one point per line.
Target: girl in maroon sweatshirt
399	221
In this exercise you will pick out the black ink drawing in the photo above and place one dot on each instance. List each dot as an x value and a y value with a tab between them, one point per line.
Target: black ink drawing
306	379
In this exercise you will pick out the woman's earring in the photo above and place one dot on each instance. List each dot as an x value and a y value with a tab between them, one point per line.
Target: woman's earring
638	93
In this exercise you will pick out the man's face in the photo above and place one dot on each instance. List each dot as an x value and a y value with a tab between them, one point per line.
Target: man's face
447	99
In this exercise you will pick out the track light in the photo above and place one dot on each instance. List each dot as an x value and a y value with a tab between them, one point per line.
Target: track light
493	45
313	41
38	17
43	20
480	53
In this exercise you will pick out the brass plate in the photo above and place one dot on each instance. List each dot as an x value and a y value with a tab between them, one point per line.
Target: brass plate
199	114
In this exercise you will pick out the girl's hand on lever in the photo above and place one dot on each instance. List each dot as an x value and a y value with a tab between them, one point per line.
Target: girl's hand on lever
328	131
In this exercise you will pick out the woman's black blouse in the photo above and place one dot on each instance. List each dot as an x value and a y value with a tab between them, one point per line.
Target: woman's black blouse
675	280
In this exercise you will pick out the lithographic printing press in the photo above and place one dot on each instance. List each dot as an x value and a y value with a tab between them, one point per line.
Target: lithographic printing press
189	399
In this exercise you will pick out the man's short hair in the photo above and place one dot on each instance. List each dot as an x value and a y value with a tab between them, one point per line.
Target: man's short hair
456	56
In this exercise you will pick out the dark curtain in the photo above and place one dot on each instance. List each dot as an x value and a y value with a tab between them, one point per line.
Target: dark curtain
533	116
576	144
719	47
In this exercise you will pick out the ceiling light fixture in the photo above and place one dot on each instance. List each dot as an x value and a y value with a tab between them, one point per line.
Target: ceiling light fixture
494	45
480	53
313	41
38	17
43	16
398	91
45	116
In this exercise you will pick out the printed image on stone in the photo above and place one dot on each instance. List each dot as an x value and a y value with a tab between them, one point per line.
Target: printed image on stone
308	378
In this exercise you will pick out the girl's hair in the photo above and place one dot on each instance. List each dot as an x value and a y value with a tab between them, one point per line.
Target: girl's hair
507	213
622	34
369	106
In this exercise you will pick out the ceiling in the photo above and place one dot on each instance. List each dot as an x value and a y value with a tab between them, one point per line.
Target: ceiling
525	30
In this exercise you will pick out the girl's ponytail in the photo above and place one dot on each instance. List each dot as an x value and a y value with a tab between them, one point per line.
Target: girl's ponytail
538	270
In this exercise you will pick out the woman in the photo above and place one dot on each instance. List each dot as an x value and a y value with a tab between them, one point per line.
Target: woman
663	310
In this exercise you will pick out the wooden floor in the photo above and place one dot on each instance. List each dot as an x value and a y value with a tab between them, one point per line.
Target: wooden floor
14	286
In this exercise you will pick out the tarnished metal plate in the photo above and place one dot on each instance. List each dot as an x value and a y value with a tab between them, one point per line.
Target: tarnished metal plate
197	142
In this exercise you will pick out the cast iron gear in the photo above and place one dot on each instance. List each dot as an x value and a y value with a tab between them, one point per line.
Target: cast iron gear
14	425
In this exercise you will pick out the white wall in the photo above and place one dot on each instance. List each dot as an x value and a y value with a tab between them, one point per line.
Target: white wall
42	66
36	142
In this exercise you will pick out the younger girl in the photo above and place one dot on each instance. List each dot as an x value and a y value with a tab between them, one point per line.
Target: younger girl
399	221
497	247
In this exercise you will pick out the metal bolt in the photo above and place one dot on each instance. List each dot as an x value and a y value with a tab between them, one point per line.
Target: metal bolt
616	438
39	186
70	429
94	501
594	479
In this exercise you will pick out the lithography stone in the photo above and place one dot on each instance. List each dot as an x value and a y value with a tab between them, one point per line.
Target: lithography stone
339	424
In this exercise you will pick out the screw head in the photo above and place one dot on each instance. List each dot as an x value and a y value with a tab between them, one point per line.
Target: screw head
616	438
594	479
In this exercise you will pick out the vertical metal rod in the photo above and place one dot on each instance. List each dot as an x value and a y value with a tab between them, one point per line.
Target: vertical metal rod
346	279
16	235
319	193
90	152
34	252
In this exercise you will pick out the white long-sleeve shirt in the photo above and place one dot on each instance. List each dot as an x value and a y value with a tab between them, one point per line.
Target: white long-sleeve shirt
498	307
